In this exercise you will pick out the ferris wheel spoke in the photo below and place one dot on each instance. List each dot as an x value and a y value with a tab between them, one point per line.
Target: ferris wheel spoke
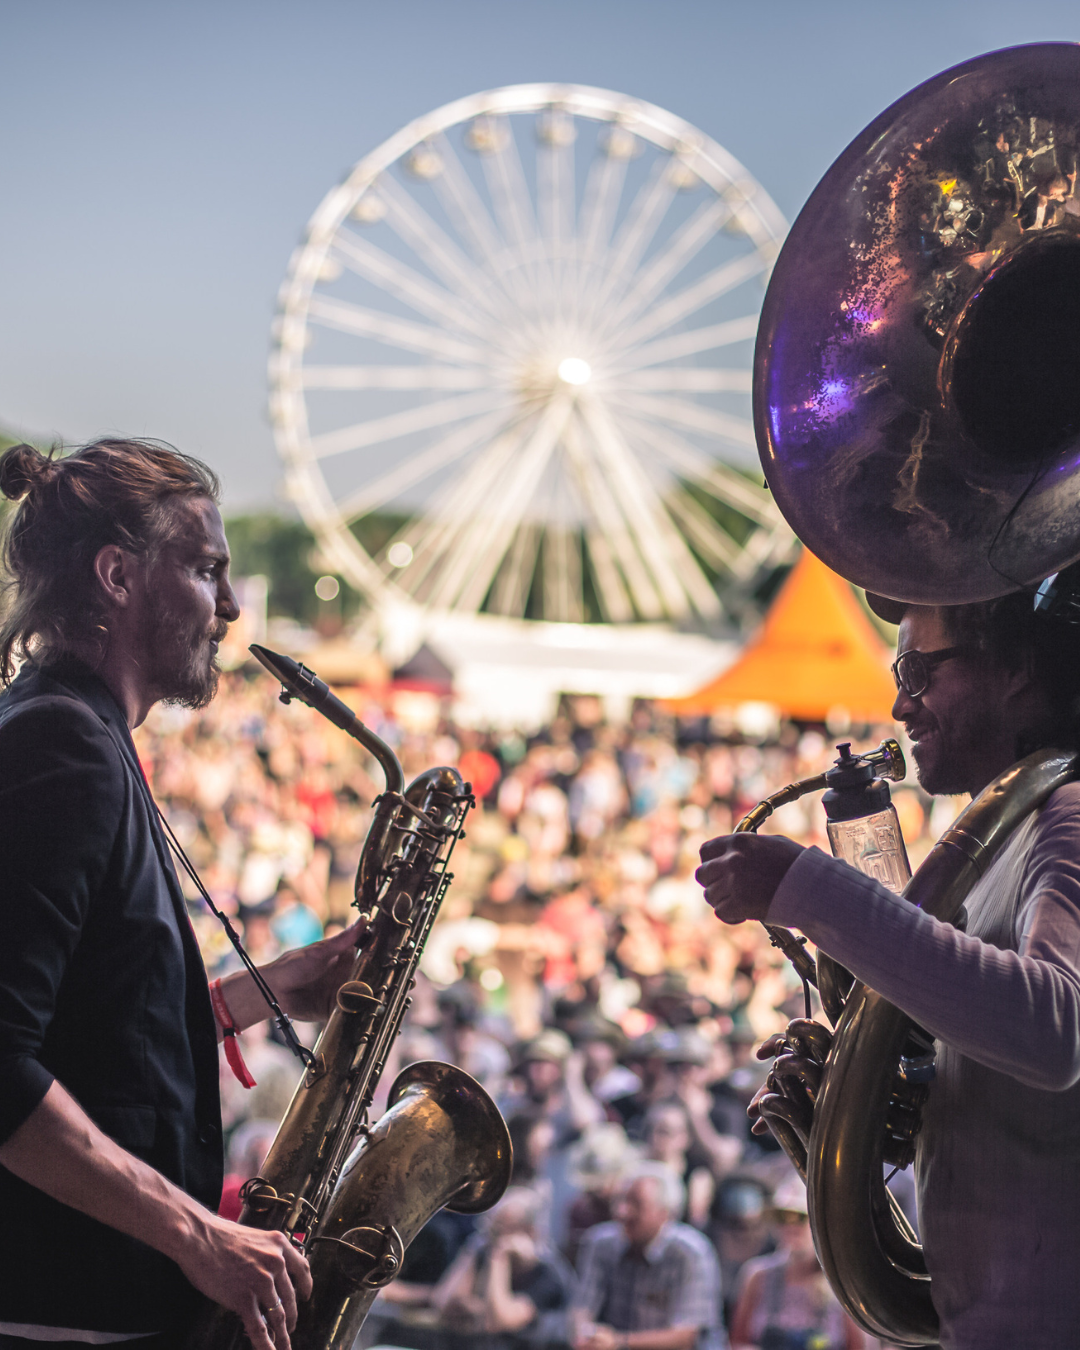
398	424
395	377
716	547
684	245
434	539
611	592
401	333
756	503
694	380
468	588
555	164
685	576
766	548
403	283
563	578
603	189
646	212
445	451
769	548
617	563
710	287
508	188
693	416
470	217
675	570
685	458
555	207
563	589
511	593
433	245
720	481
690	343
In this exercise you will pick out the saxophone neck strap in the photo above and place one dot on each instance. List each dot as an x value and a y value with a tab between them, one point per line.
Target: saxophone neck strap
284	1025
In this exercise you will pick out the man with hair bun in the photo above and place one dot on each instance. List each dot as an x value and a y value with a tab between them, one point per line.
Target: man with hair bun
116	596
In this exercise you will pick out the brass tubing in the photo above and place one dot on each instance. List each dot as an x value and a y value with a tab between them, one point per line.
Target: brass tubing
441	1142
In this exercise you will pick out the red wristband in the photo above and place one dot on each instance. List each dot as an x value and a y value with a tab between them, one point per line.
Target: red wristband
229	1032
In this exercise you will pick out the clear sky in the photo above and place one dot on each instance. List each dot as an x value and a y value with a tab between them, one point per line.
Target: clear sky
158	161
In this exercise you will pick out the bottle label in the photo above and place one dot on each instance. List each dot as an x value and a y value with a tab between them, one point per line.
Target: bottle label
874	845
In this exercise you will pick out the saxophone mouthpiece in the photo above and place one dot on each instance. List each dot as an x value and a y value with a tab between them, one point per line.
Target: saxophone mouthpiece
888	760
299	682
290	673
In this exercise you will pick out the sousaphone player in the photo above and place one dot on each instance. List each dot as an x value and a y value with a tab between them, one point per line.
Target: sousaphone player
918	408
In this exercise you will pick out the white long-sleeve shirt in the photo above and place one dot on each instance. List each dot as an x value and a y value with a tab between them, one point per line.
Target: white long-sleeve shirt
999	1154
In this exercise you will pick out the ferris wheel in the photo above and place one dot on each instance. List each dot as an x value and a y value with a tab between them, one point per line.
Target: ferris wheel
511	368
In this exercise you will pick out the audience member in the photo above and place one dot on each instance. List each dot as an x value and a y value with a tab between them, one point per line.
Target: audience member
667	1140
247	1152
646	1281
549	1079
597	1164
739	1228
785	1302
601	1042
505	1281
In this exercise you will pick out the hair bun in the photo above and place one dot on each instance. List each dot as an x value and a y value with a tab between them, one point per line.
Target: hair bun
22	468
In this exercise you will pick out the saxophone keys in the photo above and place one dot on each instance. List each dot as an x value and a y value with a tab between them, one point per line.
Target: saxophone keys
368	1256
357	999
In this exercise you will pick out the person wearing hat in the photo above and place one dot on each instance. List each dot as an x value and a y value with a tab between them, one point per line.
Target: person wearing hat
692	1059
784	1300
998	1160
551	1082
739	1229
550	1088
601	1042
646	1057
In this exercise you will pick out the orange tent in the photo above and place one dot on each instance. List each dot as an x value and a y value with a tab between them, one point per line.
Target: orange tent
816	652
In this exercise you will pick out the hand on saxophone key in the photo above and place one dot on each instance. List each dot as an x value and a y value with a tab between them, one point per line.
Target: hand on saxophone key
305	981
258	1275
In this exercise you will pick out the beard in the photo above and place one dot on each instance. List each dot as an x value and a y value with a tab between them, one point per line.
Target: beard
184	664
938	779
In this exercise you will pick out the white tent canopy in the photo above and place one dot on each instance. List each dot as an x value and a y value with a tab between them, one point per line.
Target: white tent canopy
509	672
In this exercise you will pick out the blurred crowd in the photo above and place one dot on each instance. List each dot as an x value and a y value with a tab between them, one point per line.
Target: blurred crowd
575	972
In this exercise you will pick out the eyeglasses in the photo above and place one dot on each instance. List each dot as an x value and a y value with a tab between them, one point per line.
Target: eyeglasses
911	670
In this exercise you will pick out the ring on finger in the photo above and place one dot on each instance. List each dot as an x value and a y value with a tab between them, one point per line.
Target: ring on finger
274	1307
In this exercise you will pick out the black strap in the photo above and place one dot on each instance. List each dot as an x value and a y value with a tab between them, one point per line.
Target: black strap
285	1026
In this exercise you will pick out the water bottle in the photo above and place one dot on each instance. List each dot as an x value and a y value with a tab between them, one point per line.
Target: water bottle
862	823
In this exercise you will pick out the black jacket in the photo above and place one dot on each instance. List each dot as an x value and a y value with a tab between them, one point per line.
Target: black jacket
101	987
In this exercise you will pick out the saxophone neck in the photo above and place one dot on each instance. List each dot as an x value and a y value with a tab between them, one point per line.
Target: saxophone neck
299	682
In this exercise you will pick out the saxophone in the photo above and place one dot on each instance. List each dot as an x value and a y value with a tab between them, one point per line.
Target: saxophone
349	1195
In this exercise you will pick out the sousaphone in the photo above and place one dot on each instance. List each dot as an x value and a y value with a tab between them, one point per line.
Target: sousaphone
917	406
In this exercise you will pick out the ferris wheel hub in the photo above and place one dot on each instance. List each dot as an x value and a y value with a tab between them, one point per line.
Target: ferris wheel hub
573	370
